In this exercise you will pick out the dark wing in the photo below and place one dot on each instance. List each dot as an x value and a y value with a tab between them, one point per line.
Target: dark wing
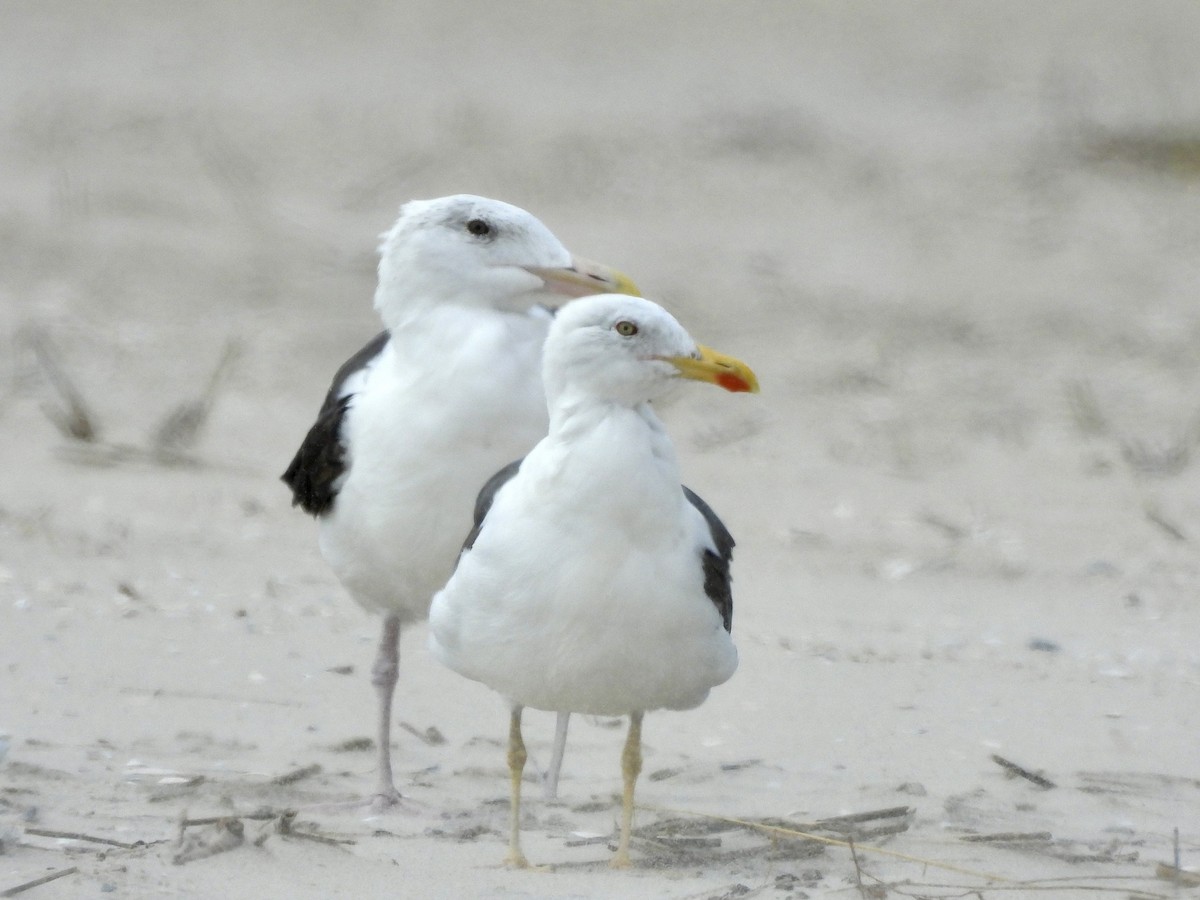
487	494
320	461
718	583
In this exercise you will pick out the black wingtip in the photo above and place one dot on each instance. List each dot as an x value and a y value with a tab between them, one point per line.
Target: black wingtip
320	462
718	580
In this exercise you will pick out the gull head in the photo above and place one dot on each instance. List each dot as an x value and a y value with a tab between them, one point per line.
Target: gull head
476	252
629	350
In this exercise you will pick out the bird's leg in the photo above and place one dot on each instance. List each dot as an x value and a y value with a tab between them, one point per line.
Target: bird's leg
383	675
516	767
550	783
631	767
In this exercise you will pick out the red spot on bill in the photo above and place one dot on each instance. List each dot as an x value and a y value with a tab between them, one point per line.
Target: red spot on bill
732	382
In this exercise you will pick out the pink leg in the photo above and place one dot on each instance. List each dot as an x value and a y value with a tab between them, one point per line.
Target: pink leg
550	780
384	674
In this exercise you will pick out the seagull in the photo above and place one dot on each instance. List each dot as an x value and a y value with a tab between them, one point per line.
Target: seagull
593	581
431	406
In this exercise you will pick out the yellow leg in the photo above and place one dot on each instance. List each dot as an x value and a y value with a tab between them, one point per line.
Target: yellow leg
516	767
631	767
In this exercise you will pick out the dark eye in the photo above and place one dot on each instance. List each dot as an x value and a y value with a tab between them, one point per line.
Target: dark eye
625	328
479	227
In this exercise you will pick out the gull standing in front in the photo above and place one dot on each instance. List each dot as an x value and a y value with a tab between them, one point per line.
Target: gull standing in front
432	406
593	581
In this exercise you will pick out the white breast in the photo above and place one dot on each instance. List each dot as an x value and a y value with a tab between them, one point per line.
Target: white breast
454	398
584	590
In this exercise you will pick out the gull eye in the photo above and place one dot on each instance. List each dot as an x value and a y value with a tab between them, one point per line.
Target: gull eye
479	227
625	328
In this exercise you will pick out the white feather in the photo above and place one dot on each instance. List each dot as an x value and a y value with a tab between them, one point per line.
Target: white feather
584	590
455	395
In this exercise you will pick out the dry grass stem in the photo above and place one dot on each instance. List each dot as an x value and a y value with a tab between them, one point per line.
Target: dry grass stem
79	836
181	428
1156	517
1007	837
1012	768
297	775
833	842
75	422
37	882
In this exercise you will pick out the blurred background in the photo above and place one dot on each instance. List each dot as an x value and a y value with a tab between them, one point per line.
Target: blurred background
936	229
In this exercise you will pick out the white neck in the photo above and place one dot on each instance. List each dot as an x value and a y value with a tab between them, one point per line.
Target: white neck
616	458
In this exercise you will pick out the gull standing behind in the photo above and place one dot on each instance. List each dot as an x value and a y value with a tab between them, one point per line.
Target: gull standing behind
431	407
593	581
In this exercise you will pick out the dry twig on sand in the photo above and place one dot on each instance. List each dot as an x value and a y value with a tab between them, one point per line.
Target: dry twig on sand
79	836
74	420
1157	517
169	444
224	835
259	815
297	774
1085	409
1013	769
37	882
431	736
993	882
1008	837
181	428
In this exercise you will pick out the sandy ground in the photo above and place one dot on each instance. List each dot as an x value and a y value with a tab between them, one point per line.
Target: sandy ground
958	242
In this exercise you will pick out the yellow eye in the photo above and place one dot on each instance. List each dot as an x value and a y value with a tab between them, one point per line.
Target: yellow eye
625	328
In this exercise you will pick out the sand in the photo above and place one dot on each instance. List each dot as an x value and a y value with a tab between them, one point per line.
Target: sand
956	241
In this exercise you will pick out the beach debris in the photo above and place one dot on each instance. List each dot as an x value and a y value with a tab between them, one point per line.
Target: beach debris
74	419
171	441
740	764
1085	409
223	835
285	825
1044	645
586	839
1008	837
790	881
259	815
354	745
687	837
431	736
80	836
37	882
1183	877
1013	769
1139	784
466	834
1173	150
180	429
664	774
1175	871
1162	457
737	891
297	774
1157	517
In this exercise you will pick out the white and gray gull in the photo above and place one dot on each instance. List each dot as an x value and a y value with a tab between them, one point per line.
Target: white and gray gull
593	580
417	419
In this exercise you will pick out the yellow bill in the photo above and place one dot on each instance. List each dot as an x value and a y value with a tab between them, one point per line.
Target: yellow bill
717	368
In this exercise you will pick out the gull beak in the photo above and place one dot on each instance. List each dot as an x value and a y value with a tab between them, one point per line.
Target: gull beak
716	368
584	277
